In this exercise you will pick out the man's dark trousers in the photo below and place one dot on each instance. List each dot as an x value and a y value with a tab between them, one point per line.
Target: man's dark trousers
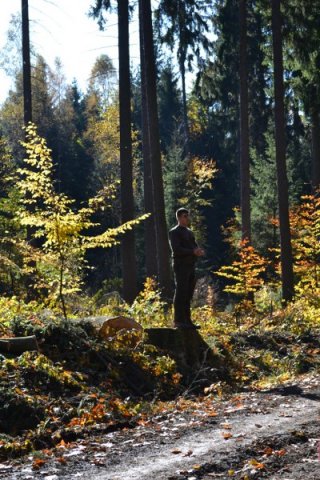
185	281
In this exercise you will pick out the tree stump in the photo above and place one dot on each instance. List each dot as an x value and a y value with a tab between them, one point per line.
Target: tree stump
191	353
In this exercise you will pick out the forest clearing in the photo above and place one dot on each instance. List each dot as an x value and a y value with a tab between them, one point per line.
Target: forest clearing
160	247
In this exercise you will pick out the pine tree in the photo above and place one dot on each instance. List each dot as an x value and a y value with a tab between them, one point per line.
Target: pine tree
175	178
264	199
303	60
170	111
185	24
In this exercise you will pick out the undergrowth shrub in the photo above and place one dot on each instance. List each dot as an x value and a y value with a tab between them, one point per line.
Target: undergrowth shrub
149	309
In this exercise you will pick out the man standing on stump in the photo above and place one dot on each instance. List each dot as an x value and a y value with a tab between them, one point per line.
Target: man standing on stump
185	252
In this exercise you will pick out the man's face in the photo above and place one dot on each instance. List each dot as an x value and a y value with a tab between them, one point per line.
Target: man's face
184	220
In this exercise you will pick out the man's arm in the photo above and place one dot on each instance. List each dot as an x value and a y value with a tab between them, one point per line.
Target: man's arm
197	251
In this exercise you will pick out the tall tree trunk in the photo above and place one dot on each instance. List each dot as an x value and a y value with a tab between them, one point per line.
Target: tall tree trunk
283	199
150	227
315	126
129	270
184	107
244	125
27	98
151	143
181	12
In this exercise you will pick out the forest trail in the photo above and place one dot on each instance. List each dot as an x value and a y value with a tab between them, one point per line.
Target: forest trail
253	435
233	444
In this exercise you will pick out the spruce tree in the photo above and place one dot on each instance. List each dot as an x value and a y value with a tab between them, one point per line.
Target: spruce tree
303	59
184	24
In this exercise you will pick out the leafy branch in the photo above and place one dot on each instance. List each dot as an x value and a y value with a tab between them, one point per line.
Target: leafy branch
59	225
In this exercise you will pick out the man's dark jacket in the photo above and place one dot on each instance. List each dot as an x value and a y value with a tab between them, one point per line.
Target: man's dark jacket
182	244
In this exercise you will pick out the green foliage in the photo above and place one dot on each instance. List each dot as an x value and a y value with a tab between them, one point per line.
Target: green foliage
174	178
103	134
14	307
184	25
102	77
48	372
60	227
303	52
149	307
153	363
169	105
264	199
300	317
11	232
267	299
201	172
12	246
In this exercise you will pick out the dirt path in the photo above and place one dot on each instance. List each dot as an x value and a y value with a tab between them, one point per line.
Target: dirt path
272	434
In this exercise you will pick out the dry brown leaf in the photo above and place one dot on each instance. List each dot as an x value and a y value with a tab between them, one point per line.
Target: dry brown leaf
176	450
257	465
63	444
281	452
47	451
213	413
268	451
38	463
227	426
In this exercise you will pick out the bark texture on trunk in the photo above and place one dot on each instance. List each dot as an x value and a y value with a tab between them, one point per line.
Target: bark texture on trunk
244	126
150	228
27	98
128	257
151	145
185	109
315	119
283	198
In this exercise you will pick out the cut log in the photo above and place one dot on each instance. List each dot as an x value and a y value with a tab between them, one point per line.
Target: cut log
113	325
18	344
109	327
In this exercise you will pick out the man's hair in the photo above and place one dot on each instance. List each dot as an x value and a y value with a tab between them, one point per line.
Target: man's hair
181	211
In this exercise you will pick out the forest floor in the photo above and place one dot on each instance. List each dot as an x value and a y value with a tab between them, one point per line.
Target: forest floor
273	433
73	410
